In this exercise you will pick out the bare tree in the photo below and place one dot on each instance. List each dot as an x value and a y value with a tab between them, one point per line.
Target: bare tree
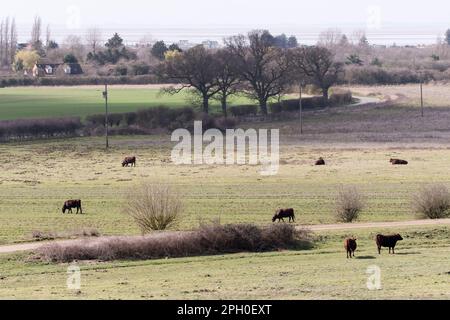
330	38
227	78
36	31
8	41
94	38
13	41
318	64
194	68
2	42
262	66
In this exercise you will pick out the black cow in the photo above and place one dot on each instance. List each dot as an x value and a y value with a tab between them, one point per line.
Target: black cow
281	214
350	246
399	162
388	242
320	162
72	204
129	161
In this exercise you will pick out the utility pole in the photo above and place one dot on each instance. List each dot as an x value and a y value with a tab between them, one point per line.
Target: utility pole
301	107
421	97
105	96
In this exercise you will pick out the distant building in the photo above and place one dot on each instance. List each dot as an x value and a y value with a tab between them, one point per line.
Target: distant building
208	44
48	68
185	44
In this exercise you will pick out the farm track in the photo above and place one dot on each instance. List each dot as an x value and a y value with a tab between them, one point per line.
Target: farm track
315	228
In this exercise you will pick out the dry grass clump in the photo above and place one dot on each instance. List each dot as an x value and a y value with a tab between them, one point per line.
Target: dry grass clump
432	202
208	240
153	206
50	235
349	204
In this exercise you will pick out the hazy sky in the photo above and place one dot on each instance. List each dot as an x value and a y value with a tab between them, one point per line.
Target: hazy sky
384	21
85	13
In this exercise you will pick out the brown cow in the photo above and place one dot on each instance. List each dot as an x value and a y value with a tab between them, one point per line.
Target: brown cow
320	162
129	161
387	242
72	204
398	162
350	246
284	213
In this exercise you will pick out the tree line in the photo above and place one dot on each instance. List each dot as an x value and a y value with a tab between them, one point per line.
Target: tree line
252	65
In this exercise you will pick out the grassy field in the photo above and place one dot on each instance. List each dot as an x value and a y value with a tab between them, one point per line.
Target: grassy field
45	102
356	141
420	270
37	177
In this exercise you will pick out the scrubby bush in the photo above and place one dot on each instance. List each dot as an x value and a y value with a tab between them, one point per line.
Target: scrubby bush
341	98
212	239
432	202
39	128
244	110
349	204
153	206
385	76
293	104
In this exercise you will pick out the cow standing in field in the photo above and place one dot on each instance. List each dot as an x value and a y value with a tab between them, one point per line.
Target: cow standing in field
399	162
388	242
129	161
320	162
281	214
72	204
350	246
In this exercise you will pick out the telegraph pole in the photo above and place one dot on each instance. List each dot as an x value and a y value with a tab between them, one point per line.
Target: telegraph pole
421	97
301	108
105	96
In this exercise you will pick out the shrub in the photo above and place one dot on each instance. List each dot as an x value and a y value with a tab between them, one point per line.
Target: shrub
153	206
212	239
292	105
349	204
39	128
244	110
341	98
432	202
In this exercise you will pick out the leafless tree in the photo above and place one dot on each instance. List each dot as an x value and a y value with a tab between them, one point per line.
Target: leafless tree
263	67
94	38
8	41
36	30
227	78
194	68
318	64
330	38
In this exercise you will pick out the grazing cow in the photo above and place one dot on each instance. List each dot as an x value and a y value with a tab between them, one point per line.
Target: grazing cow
320	162
129	161
72	204
388	242
350	246
399	162
284	213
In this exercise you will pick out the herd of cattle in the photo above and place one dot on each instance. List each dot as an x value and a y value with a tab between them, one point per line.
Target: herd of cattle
350	244
321	162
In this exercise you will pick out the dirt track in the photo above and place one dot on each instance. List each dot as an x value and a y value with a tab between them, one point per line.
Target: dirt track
316	228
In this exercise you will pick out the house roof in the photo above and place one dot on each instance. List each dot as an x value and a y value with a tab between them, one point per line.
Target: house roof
46	61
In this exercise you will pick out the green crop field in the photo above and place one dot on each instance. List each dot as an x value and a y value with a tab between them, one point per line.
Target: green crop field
48	102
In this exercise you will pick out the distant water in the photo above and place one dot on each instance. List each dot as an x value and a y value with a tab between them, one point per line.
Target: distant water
414	35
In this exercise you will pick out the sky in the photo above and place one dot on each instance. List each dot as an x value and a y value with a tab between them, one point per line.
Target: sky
377	14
